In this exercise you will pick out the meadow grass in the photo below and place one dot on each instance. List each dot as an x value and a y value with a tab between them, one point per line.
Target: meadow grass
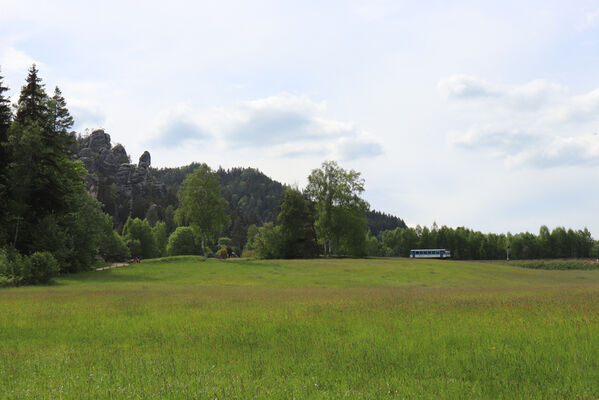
375	328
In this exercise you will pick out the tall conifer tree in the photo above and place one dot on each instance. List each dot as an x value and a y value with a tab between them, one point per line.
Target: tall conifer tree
5	118
33	101
60	119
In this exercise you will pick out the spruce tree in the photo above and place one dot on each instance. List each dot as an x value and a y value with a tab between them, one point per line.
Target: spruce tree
43	179
33	101
5	119
60	119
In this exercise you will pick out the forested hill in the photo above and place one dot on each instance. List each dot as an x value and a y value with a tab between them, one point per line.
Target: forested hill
257	196
379	222
254	194
141	191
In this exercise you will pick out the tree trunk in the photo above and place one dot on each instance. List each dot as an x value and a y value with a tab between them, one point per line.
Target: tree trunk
203	249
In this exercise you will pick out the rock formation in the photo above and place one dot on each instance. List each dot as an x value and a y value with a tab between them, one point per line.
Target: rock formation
109	165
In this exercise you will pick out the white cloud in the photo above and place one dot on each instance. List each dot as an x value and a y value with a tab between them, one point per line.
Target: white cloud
465	86
13	60
284	126
568	151
529	96
578	109
498	139
554	131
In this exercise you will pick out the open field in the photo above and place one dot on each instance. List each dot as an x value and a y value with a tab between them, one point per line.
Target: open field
306	329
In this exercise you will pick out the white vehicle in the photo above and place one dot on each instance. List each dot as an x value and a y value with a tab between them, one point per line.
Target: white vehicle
430	253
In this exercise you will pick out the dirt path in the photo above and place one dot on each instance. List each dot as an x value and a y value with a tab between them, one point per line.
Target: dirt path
116	265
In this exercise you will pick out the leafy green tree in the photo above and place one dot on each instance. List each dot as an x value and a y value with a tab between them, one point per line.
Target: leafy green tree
152	215
296	226
224	242
266	242
373	246
201	205
114	248
134	246
169	219
337	195
137	229
182	242
160	237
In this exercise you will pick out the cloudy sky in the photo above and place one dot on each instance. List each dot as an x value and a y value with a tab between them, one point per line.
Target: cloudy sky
467	113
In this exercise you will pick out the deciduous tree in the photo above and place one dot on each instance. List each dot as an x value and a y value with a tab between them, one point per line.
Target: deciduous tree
201	205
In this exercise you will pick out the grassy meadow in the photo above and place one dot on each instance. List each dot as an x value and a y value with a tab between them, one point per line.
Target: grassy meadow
319	329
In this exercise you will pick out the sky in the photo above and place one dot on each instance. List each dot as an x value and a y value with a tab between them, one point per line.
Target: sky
481	114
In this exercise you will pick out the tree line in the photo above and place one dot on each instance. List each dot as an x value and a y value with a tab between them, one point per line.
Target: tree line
50	224
467	244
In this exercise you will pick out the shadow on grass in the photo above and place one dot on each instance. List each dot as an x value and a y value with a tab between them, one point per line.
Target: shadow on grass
108	275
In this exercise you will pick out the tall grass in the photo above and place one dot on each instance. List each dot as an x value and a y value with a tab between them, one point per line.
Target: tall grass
303	329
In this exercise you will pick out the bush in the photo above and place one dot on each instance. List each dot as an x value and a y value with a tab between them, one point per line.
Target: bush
222	253
134	246
248	253
114	248
224	242
137	229
11	268
182	242
40	267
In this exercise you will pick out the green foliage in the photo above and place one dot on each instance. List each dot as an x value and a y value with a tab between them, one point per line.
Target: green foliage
169	219
152	215
61	119
266	242
114	248
32	107
201	206
296	226
11	267
467	244
378	222
137	229
182	242
134	247
224	242
556	264
222	253
40	267
374	247
160	237
341	213
44	203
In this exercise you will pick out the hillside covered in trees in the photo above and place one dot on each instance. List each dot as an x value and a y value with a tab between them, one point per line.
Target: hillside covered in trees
141	191
71	201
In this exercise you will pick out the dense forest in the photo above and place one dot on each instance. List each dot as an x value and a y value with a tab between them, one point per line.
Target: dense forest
69	202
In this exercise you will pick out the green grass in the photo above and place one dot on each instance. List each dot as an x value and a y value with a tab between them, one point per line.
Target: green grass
387	328
556	264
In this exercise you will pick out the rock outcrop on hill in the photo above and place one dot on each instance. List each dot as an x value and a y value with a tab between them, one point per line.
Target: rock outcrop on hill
111	173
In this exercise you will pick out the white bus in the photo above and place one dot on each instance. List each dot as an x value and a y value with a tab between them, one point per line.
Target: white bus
430	253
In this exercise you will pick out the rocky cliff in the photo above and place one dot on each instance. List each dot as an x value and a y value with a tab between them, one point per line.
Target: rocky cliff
111	173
